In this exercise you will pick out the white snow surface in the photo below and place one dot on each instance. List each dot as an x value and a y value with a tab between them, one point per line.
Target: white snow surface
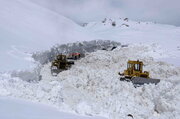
26	27
92	86
21	109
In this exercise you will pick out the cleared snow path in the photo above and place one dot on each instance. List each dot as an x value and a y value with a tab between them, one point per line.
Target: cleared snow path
19	109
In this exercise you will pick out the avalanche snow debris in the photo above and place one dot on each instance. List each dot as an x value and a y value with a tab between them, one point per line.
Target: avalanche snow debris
81	47
92	86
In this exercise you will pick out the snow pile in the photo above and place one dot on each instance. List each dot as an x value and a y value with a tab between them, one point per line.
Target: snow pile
92	86
80	47
28	75
44	57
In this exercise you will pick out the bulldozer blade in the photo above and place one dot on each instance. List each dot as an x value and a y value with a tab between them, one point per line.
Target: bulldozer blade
55	71
142	81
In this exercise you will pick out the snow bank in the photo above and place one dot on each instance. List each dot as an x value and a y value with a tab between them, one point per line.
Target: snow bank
92	86
80	47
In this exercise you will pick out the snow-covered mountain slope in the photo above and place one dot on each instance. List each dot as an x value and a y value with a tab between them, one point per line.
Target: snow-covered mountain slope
92	86
27	27
29	23
20	109
127	31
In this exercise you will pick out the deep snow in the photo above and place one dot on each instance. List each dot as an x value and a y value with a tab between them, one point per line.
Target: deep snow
166	36
26	27
20	109
92	86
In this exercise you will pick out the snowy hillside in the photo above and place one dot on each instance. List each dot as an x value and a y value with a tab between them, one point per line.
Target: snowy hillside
92	86
26	27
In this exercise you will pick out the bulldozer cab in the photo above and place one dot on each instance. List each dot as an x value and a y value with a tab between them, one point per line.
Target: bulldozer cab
134	69
135	74
60	62
61	57
135	66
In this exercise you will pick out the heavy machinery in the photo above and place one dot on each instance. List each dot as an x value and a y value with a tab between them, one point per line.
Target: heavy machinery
59	64
134	73
74	56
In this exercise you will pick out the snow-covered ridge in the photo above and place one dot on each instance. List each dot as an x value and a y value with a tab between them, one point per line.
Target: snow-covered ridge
92	86
111	23
128	31
121	23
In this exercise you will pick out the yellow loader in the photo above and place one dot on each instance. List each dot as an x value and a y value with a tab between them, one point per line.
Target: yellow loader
59	64
134	73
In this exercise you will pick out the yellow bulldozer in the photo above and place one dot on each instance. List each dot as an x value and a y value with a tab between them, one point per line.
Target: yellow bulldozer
134	73
59	64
